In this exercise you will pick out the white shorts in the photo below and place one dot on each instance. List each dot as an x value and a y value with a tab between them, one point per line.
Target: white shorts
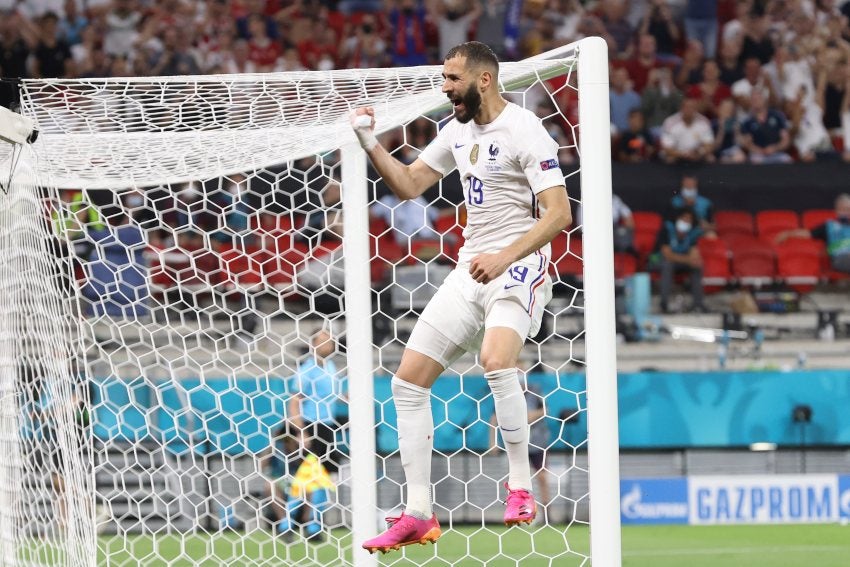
462	309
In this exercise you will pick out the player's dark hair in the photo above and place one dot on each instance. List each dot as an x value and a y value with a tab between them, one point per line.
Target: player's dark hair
477	54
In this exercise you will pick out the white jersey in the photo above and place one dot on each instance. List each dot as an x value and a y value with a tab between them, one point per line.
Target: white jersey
503	165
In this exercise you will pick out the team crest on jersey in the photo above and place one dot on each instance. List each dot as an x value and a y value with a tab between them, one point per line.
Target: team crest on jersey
473	155
494	151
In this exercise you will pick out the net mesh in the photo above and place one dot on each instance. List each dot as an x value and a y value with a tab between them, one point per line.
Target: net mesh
177	285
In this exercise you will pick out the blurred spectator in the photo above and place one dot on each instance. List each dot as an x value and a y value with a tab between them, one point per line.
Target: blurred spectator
312	414
686	137
290	61
318	50
214	21
755	79
833	98
835	233
239	60
72	23
116	282
661	99
676	251
659	23
14	53
122	22
262	51
701	24
764	135
535	33
757	42
790	74
624	226
689	198
364	48
729	62
794	85
727	134
314	406
454	19
567	15
408	29
256	9
733	30
711	91
644	61
622	99
97	64
491	24
89	42
177	56
52	56
636	143
612	13
689	71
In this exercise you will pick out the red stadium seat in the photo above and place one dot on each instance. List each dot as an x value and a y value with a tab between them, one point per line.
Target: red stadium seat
754	264
772	222
799	263
567	255
625	265
737	240
647	225
448	223
734	222
242	266
715	264
191	270
816	217
648	221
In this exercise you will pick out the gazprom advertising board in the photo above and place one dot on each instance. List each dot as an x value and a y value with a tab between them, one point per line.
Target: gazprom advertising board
763	499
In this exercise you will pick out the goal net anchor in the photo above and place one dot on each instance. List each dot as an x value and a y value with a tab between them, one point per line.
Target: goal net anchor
15	131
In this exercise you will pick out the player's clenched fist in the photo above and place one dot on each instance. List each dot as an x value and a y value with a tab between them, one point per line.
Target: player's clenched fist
485	268
363	123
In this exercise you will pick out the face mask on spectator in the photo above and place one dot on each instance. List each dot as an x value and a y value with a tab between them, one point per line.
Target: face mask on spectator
683	226
135	200
843	219
688	192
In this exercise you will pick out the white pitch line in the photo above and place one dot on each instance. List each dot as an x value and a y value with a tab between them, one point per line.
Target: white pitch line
737	550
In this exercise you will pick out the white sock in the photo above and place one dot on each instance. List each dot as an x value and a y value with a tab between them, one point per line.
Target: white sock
512	415
415	444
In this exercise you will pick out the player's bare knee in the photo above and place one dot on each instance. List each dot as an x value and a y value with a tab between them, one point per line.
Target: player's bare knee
493	361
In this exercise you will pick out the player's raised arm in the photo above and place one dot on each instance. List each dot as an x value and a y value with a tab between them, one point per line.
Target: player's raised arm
406	181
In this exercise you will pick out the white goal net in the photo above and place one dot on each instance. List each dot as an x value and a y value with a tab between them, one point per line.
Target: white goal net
205	291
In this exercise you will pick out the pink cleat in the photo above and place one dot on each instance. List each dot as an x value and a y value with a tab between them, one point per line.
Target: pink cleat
521	507
404	530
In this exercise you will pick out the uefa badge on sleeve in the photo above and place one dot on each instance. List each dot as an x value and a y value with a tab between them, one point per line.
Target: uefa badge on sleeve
548	164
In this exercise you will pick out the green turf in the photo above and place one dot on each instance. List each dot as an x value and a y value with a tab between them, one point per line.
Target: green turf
643	546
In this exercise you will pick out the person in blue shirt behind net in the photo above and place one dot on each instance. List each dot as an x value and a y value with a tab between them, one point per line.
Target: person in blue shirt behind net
689	197
676	251
318	389
834	232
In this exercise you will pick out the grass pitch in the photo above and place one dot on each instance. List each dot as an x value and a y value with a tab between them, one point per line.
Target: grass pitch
825	545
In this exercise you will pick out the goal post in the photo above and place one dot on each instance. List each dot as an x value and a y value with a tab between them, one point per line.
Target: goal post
600	328
202	250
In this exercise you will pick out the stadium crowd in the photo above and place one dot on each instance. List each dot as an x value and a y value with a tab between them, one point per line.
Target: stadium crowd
764	81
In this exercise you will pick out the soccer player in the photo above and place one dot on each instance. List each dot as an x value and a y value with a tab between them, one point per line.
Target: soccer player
517	203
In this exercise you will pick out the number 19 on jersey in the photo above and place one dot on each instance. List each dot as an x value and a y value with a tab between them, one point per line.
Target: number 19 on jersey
475	193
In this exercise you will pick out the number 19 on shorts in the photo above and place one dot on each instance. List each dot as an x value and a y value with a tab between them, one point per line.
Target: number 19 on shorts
475	194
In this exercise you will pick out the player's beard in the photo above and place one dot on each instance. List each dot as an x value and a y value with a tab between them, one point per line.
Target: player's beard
471	101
